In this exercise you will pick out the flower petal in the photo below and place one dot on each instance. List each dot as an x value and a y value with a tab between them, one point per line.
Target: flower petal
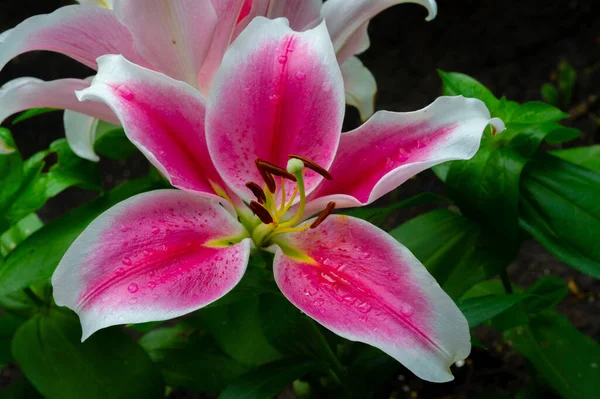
278	92
360	87
228	13
347	21
300	14
100	3
163	117
173	36
363	285
80	131
25	93
5	148
391	147
149	258
81	32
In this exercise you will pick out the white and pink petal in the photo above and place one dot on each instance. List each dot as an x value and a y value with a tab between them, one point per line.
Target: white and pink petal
172	36
163	117
151	258
25	93
391	147
81	32
360	86
347	21
278	92
363	285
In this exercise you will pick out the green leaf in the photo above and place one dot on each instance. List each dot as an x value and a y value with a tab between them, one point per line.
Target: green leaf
112	142
550	94
480	309
537	112
486	189
368	370
269	379
546	293
559	208
226	323
189	360
35	259
8	326
568	360
30	113
293	333
567	77
526	139
107	365
587	157
452	248
455	84
18	233
378	216
28	190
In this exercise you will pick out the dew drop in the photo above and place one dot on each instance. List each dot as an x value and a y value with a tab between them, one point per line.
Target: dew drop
282	59
124	229
126	261
151	285
364	307
120	271
310	291
406	310
318	302
275	98
133	288
300	75
155	230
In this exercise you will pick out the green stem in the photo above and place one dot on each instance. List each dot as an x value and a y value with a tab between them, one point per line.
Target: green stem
36	299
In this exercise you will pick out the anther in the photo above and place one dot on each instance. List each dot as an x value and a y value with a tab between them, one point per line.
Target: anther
267	177
313	166
323	215
274	169
262	213
257	191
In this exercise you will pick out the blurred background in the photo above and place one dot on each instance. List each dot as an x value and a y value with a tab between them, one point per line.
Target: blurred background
511	46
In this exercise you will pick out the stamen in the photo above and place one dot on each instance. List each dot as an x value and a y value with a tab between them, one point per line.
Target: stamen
274	169
257	191
313	166
262	213
323	215
267	177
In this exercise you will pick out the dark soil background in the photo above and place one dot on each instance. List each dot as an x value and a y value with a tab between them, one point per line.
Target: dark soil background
512	46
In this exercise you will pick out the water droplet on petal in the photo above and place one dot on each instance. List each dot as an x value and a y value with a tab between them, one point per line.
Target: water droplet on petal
133	288
275	98
300	75
151	285
126	261
155	230
406	310
282	59
124	229
364	307
120	271
318	302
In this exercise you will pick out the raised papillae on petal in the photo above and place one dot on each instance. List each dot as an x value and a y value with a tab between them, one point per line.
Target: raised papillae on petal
391	147
360	283
81	32
155	256
278	92
163	117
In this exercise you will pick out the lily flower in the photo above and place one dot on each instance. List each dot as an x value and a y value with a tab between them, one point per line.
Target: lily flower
184	39
254	162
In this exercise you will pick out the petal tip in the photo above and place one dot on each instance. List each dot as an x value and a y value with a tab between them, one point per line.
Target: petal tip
498	125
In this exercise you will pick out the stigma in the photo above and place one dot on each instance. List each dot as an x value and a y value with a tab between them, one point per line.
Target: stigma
273	213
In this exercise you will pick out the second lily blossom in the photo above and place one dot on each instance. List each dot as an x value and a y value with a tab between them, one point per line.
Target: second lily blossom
184	39
268	134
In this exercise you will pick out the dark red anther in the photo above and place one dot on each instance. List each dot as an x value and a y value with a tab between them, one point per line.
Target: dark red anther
313	166
274	169
267	177
262	213
257	191
323	215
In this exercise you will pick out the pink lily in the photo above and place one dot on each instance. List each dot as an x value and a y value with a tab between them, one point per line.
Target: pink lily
278	92
184	39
